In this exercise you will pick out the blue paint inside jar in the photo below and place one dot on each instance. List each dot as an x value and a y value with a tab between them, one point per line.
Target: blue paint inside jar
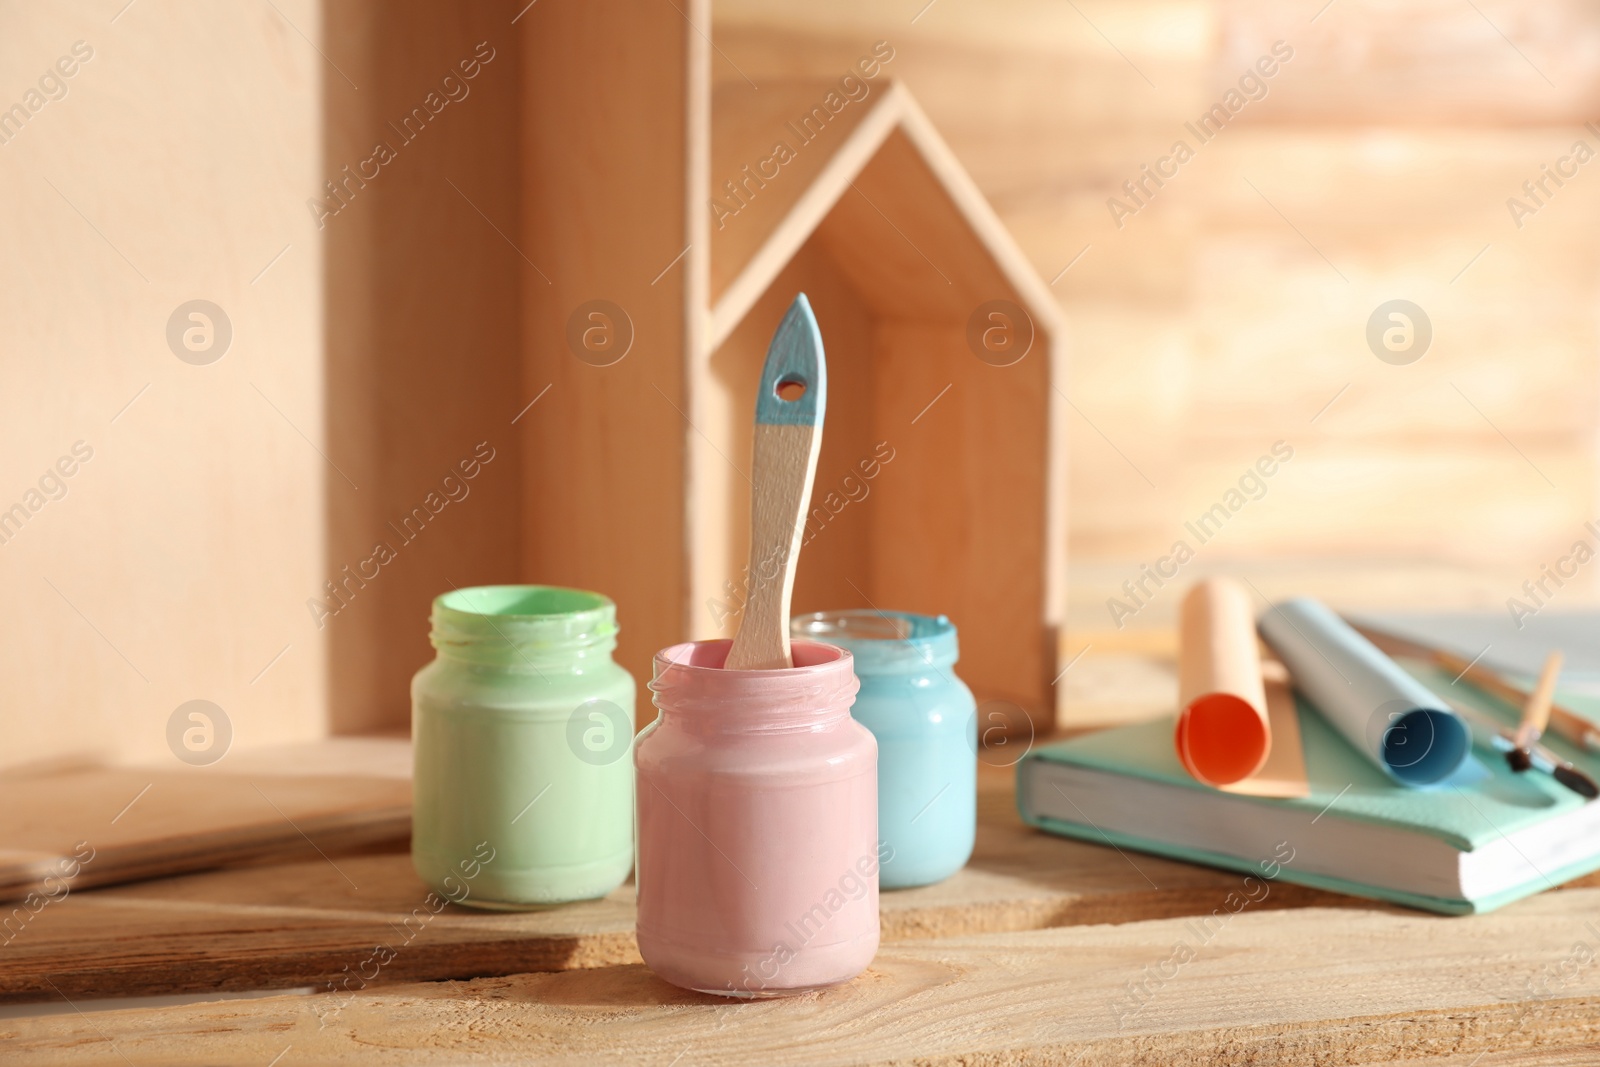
925	722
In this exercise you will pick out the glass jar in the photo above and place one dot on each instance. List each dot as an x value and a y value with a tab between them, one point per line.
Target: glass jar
758	822
521	729
925	720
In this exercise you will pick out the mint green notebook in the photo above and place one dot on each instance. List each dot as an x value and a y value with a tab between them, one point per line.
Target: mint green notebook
1482	839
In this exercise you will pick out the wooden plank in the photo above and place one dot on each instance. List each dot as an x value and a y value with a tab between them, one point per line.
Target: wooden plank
309	923
419	272
746	125
1312	986
1532	1057
759	254
615	149
72	830
300	924
962	524
890	190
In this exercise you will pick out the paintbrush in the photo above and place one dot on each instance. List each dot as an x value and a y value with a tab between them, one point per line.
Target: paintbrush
1522	749
1563	722
790	403
1535	714
1538	757
1542	759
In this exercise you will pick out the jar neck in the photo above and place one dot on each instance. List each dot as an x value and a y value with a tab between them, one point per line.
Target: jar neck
524	628
742	722
884	642
519	658
694	691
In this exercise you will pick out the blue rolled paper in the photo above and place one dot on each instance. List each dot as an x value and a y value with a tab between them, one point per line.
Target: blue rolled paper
1389	716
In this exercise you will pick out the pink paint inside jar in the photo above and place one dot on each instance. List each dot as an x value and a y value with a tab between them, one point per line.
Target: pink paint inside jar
758	824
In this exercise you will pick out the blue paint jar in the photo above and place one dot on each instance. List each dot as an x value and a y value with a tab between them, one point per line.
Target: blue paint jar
925	721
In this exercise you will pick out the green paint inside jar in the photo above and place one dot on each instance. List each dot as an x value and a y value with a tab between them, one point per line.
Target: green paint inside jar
523	729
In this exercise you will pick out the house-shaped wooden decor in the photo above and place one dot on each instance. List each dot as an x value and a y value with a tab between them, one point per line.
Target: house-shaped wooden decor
676	222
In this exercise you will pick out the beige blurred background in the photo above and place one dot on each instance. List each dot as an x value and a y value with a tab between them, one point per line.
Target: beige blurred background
372	354
1231	312
369	356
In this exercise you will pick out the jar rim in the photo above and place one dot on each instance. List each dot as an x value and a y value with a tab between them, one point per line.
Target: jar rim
882	640
522	601
709	656
495	623
691	677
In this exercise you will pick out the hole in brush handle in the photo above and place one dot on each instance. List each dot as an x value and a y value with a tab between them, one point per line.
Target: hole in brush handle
790	390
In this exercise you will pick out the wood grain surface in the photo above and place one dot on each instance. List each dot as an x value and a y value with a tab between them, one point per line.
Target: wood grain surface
1310	986
303	923
68	831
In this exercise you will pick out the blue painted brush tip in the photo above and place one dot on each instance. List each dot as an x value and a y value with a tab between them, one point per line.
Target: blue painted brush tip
794	380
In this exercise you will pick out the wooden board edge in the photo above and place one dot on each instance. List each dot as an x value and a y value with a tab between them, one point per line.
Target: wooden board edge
796	227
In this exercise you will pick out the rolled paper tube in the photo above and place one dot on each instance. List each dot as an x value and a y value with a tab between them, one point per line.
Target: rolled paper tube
1390	717
1222	735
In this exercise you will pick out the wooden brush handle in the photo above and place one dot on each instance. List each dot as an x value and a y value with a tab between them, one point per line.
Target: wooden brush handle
1536	710
790	404
785	462
1569	724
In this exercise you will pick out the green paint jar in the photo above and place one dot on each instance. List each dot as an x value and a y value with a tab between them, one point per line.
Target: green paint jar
522	732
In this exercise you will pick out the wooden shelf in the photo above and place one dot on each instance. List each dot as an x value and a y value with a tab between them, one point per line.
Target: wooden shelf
878	223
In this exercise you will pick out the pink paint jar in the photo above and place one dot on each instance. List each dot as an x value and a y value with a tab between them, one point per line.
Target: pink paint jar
758	824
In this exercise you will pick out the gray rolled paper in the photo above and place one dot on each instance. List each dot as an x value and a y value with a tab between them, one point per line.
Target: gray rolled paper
1380	709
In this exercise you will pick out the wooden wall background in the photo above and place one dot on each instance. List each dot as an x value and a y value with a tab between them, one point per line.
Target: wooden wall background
368	358
378	351
176	566
1229	312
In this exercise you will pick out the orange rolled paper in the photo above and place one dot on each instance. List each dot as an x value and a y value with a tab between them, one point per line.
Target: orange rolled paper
1222	735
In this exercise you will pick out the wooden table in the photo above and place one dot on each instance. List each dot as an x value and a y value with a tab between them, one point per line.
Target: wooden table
1030	955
